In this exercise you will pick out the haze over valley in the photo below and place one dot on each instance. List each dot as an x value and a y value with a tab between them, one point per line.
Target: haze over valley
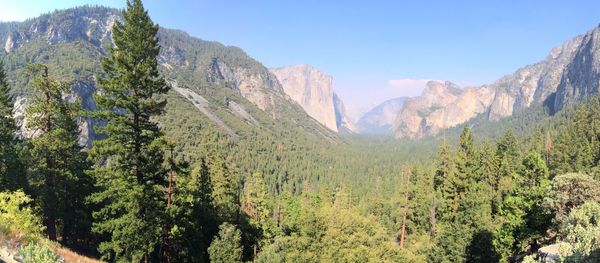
279	131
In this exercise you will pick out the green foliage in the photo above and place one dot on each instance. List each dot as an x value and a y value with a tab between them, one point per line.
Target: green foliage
193	216
39	253
530	259
12	174
58	164
331	232
569	191
225	189
17	217
511	214
296	191
258	206
226	247
129	161
581	234
289	249
522	217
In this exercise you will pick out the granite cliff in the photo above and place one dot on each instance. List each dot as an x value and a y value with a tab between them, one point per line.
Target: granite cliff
568	72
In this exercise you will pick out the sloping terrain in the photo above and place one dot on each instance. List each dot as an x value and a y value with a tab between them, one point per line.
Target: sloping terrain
380	119
73	41
435	110
202	105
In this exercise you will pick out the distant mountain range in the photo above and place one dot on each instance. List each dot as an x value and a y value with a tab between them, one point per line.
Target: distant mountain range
570	73
380	119
235	93
238	94
313	90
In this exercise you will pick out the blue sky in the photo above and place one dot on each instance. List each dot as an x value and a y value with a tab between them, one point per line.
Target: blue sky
373	49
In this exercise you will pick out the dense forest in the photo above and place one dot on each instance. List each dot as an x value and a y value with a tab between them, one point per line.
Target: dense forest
153	188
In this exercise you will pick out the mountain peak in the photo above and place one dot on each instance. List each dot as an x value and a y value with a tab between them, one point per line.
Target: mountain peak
85	23
574	65
310	88
581	76
232	91
380	119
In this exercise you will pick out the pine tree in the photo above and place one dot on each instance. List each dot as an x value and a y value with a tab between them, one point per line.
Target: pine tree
406	173
58	164
536	142
441	199
582	141
226	247
129	161
258	206
535	178
547	148
12	174
523	217
466	162
507	147
225	189
488	161
172	247
457	183
467	213
194	216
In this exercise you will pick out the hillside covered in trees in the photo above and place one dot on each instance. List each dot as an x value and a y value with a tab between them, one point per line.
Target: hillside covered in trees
109	160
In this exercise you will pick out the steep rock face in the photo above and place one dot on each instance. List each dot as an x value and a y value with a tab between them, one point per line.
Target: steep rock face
431	113
311	89
380	119
343	122
94	25
581	78
470	103
533	83
207	68
260	88
81	91
412	121
90	24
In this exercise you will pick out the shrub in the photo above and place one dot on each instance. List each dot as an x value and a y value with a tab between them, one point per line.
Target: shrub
581	234
226	247
39	253
17	217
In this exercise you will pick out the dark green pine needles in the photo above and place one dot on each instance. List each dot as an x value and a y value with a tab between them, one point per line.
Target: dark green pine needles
129	161
57	163
12	175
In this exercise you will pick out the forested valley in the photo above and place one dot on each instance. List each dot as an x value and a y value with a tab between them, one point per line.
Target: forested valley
158	184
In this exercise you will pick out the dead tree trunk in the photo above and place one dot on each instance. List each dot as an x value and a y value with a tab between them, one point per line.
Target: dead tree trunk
405	172
172	170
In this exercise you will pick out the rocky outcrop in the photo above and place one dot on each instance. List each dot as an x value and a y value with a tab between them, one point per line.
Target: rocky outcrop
311	89
470	103
261	88
82	92
95	27
201	66
437	109
380	119
412	121
581	78
533	83
343	122
10	44
203	106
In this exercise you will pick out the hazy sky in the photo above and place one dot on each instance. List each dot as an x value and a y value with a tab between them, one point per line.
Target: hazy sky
373	49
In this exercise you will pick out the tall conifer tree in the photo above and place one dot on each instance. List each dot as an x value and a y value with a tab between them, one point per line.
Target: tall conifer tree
58	164
129	161
12	175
